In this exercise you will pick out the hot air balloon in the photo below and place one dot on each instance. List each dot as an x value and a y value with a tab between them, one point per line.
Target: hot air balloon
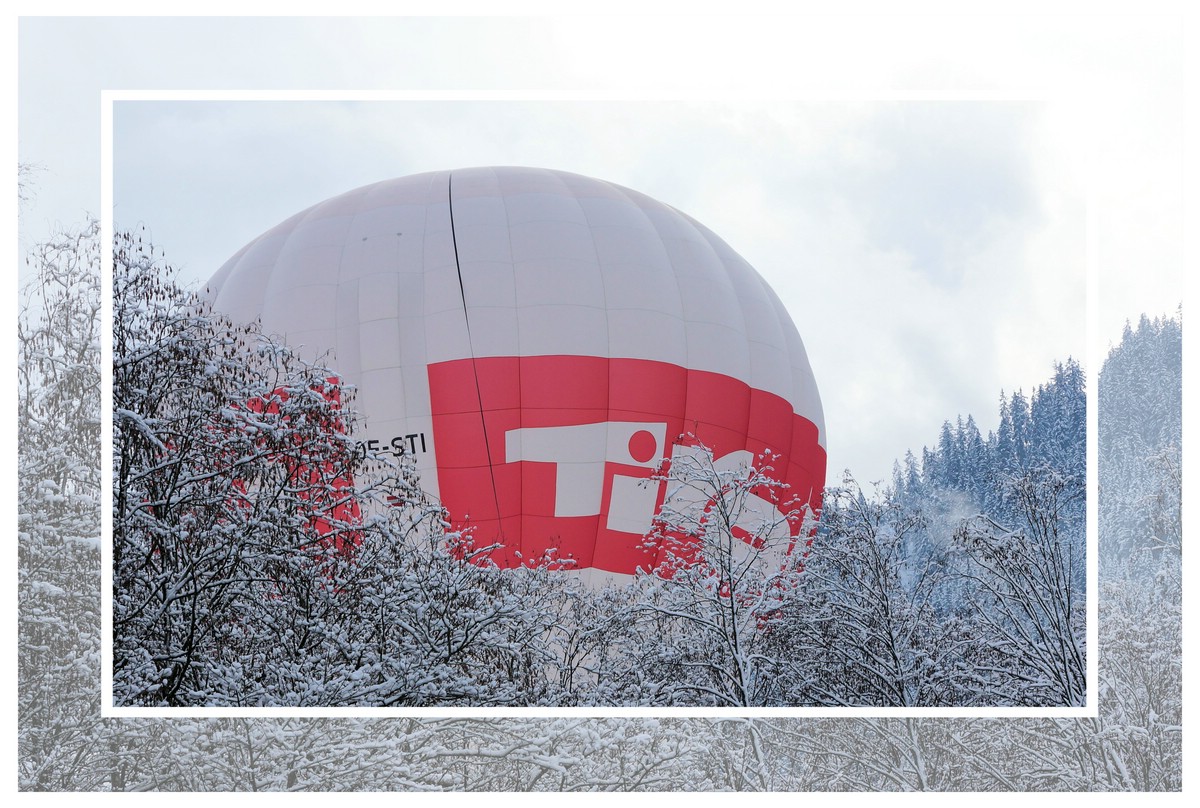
539	342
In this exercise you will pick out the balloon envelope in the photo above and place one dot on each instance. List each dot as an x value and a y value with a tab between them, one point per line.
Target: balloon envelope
538	341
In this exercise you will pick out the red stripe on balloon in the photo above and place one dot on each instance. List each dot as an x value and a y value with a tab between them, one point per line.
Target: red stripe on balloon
557	493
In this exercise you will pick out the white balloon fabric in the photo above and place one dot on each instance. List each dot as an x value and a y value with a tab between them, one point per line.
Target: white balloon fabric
538	341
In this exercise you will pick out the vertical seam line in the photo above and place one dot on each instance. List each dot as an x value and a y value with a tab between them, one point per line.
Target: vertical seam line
471	345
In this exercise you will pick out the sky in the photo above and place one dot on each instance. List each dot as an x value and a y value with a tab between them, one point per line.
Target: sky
924	193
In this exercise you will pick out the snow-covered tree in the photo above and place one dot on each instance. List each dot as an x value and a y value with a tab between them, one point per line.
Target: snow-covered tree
731	543
58	541
1141	440
262	556
865	627
234	497
1027	589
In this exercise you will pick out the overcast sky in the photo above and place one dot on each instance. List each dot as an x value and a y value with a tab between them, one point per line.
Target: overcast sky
931	252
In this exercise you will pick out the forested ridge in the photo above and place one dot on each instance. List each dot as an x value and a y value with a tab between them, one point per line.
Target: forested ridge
960	582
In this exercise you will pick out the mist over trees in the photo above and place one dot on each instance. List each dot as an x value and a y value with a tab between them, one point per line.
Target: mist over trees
958	583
